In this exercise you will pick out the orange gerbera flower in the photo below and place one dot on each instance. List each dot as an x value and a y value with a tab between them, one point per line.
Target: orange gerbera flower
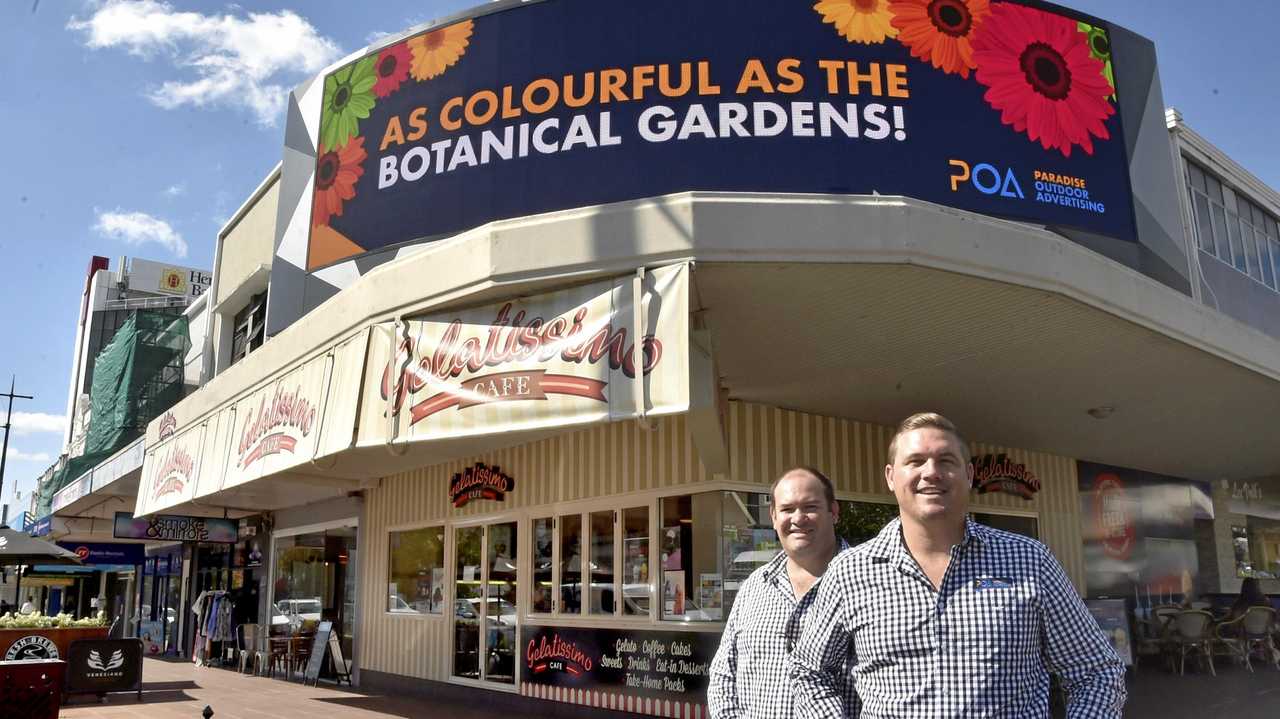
436	51
336	175
939	31
864	21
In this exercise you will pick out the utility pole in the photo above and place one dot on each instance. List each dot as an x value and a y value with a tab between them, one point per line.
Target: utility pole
4	452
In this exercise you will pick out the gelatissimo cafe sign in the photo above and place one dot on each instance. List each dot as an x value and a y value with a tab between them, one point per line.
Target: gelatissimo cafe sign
280	420
175	473
479	481
997	473
561	358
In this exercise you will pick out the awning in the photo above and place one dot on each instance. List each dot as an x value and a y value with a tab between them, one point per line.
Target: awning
294	418
550	360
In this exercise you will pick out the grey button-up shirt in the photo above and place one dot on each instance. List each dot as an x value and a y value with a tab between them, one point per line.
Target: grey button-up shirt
982	645
749	675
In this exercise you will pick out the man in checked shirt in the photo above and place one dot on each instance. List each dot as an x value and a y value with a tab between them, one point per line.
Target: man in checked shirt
749	673
939	616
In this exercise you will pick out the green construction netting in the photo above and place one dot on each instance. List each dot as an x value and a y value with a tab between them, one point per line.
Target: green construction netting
135	379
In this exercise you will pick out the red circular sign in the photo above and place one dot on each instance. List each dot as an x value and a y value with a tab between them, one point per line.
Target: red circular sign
83	553
1113	517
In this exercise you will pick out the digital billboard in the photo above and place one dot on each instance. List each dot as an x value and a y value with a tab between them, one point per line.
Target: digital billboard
1008	109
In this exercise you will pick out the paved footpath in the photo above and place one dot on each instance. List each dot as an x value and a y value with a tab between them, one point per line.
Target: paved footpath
179	690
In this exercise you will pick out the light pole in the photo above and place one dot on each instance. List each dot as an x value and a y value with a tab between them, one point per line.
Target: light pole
4	452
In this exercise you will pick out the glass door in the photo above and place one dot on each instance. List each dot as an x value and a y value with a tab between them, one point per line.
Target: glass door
486	599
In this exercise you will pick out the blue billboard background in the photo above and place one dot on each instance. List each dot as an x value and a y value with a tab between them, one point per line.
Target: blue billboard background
954	148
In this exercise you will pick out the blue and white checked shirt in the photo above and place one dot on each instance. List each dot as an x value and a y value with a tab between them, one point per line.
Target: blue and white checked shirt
749	677
983	645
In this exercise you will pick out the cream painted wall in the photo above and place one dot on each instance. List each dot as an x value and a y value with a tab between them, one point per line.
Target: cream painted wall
624	458
249	243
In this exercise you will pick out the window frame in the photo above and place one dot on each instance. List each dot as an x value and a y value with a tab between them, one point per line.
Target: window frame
447	601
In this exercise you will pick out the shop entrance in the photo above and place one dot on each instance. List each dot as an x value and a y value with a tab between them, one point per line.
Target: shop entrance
485	597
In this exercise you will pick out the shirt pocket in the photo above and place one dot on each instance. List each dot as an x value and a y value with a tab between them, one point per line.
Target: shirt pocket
994	623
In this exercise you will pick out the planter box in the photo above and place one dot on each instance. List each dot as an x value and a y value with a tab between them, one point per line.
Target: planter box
44	643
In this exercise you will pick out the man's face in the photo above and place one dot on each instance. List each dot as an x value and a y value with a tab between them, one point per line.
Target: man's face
802	516
929	476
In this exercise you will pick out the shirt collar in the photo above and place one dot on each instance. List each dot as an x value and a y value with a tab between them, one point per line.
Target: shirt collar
778	565
889	545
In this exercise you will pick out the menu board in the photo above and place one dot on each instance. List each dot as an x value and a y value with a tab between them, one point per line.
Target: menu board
637	663
1113	619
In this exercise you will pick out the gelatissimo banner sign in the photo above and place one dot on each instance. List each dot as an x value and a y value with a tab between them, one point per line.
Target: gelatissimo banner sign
1004	108
276	426
638	671
566	357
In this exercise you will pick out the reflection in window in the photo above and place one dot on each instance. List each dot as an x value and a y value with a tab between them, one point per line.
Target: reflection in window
635	561
692	557
602	563
1026	526
416	569
861	521
570	564
543	544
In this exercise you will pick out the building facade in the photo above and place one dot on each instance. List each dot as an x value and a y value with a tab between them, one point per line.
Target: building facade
503	359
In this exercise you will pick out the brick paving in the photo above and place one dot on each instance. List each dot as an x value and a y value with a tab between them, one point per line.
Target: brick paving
178	690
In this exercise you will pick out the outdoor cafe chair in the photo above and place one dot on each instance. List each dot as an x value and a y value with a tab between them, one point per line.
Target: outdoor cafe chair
1192	634
247	646
1250	632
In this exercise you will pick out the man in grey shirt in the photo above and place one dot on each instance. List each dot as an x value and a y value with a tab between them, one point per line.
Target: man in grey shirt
941	616
749	673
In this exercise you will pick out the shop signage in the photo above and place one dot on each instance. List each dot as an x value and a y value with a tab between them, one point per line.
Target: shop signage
97	666
561	358
41	526
1113	516
70	493
175	528
32	646
170	279
996	473
168	425
101	554
171	470
624	669
479	482
441	131
276	426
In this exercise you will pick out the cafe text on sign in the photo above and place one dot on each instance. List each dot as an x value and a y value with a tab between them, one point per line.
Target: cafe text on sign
479	482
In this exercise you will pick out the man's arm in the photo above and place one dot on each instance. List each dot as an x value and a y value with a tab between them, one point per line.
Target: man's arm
818	659
1075	650
722	691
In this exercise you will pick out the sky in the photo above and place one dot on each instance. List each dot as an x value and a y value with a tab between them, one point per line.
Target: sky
138	127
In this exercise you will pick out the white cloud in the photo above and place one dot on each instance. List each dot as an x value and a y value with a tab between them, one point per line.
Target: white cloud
32	422
139	228
176	190
244	61
17	455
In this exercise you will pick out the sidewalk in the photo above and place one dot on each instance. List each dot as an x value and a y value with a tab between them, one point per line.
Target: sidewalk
179	690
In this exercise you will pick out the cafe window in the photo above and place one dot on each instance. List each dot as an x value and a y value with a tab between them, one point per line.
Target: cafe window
543	565
576	561
416	584
1256	546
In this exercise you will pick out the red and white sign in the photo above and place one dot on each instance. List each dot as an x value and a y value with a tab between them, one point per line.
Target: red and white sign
566	357
1113	516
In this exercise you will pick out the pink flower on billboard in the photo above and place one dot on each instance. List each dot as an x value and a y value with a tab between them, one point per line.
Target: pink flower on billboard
1043	78
392	69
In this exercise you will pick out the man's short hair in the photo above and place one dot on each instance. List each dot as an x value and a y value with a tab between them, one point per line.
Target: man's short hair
828	489
930	420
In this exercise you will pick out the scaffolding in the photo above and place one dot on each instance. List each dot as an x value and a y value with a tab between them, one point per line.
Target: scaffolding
136	378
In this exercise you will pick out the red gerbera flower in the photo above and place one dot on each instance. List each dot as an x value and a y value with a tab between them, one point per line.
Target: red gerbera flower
336	175
940	31
392	68
1042	78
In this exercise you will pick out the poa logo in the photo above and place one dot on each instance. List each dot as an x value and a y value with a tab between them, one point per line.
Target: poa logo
985	178
104	670
32	647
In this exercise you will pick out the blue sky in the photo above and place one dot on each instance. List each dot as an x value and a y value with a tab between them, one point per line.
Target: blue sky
137	127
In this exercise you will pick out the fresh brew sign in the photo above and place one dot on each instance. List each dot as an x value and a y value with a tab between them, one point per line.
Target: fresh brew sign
479	482
556	359
997	473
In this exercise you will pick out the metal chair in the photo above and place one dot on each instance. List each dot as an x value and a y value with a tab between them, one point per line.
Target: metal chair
1192	633
1250	632
247	645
